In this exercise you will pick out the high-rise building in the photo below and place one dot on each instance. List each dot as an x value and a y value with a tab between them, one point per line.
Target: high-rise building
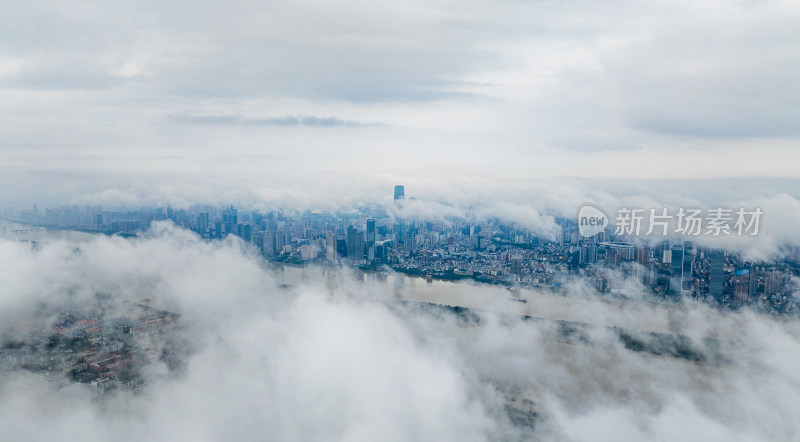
370	240
688	265
399	194
481	242
308	252
202	223
399	230
676	265
773	283
268	245
715	276
516	266
751	286
341	244
244	231
681	265
591	254
355	245
230	216
331	246
283	238
741	285
643	256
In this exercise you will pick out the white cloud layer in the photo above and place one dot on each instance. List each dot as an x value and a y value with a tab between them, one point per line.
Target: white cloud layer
338	358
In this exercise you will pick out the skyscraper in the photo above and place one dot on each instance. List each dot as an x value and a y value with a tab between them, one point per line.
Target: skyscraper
331	246
773	283
715	277
681	266
643	256
268	244
399	236
244	231
370	240
355	244
741	282
202	223
230	216
399	194
676	266
688	265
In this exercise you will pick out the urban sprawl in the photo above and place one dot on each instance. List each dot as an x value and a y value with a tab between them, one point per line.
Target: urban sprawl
491	250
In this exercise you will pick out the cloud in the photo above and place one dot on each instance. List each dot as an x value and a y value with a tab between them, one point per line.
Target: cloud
288	120
333	356
293	364
524	75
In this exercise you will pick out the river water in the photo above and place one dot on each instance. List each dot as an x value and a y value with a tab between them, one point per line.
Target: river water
590	309
22	232
603	311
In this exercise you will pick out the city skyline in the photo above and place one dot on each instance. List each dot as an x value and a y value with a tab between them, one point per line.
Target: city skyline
495	220
672	267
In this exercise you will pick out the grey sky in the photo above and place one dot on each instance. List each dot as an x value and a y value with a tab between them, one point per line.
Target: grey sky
185	101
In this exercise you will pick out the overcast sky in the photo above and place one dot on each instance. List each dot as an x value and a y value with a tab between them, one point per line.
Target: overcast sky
154	102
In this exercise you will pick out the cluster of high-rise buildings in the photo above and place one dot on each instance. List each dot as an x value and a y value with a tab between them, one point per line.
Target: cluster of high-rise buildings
677	268
490	250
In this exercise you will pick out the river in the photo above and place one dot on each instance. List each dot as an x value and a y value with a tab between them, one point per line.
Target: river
23	232
602	311
597	310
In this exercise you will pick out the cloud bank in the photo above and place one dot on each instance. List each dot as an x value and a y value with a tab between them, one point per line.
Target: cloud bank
337	356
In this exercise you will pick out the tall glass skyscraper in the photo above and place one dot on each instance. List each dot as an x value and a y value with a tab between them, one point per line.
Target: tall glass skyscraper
370	240
715	277
399	193
681	266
